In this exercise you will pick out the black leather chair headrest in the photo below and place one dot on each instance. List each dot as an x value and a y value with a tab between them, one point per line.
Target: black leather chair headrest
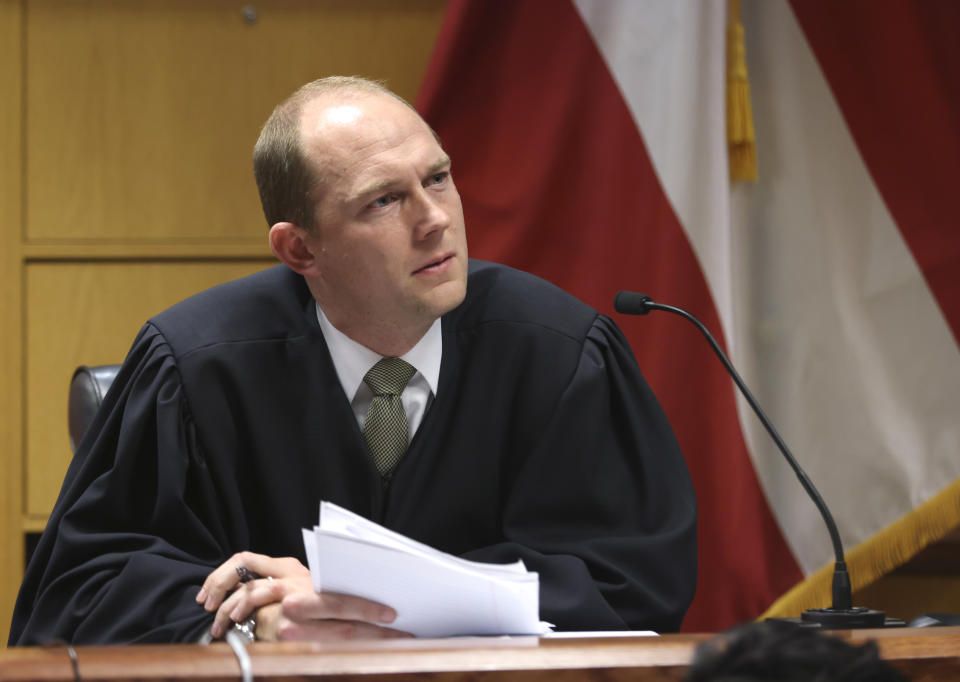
87	388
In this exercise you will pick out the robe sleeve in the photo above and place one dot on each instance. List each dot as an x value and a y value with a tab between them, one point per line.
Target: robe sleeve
604	508
134	532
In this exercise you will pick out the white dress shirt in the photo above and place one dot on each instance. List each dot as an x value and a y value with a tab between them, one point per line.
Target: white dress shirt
353	360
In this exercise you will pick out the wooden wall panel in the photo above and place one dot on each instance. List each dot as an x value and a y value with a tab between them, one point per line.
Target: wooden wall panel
89	313
11	541
142	115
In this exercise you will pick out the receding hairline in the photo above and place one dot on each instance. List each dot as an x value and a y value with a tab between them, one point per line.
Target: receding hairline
348	87
286	178
351	91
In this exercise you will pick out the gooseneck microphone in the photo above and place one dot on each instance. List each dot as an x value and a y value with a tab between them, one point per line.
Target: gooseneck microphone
842	615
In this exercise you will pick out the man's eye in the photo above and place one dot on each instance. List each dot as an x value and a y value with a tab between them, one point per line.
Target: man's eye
437	178
380	202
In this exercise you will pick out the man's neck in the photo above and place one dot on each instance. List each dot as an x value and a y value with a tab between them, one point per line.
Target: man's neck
387	337
384	339
386	342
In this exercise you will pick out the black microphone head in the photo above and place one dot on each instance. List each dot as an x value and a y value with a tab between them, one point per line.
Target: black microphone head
631	303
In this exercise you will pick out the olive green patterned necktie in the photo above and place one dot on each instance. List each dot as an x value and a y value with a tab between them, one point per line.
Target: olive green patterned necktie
385	429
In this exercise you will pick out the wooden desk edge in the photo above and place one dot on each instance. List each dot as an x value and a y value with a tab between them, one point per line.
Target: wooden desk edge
920	653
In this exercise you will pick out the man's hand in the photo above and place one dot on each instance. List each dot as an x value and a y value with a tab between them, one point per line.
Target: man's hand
286	605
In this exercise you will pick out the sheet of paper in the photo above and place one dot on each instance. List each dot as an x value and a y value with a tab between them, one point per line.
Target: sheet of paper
435	594
337	520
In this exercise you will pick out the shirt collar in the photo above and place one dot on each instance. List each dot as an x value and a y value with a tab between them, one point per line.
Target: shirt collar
353	360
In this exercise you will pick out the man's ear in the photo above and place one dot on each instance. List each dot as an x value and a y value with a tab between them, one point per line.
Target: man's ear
289	246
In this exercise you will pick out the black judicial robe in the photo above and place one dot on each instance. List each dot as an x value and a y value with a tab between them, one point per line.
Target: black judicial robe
227	425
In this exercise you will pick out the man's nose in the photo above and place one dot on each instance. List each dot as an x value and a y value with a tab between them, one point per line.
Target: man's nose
432	214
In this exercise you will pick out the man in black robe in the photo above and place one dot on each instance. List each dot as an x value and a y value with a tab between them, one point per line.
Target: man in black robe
533	435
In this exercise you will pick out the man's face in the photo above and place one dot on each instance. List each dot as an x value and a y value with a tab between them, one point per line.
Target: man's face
389	233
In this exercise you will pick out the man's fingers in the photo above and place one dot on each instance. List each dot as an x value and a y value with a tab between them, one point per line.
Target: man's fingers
305	614
244	601
269	618
241	567
310	605
224	578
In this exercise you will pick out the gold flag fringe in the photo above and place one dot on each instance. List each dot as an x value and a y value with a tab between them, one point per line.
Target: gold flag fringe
741	141
893	546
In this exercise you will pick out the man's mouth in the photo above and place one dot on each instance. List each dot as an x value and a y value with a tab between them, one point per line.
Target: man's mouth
435	265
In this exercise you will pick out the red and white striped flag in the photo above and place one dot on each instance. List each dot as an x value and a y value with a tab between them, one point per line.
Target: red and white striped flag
589	142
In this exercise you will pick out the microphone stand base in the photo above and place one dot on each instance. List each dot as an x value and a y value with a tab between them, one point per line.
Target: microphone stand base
857	617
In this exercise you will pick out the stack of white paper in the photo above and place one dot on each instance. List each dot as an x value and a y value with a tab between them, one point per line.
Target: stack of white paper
434	594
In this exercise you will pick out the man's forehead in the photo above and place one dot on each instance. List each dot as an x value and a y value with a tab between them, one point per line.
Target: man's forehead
337	136
355	141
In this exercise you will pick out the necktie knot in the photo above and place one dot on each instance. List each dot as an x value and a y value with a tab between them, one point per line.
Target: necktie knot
389	376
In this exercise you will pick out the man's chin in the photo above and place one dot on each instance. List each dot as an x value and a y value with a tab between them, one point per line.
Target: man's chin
445	297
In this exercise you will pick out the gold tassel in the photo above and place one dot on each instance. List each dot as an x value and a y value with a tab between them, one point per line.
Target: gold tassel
873	558
741	142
